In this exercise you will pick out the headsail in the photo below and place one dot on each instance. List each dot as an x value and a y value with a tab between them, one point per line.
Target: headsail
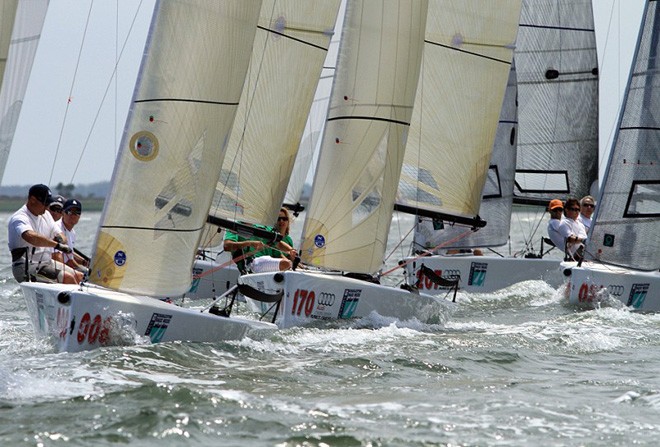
557	68
290	46
182	112
370	109
20	31
467	58
627	220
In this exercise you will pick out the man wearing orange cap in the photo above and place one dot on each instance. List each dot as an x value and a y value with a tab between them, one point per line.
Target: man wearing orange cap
556	209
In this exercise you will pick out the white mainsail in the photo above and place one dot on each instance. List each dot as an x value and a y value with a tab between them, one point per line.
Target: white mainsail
290	46
627	220
497	195
557	69
378	67
20	30
467	58
183	109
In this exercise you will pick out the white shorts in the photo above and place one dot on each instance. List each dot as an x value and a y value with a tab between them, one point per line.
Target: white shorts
264	264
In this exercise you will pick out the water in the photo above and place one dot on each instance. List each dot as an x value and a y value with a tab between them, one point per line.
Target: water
517	367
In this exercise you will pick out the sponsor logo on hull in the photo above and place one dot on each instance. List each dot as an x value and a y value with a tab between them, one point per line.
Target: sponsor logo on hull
349	303
477	273
638	295
157	326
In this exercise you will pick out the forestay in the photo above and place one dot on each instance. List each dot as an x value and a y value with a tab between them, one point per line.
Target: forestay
182	112
467	58
627	221
290	47
365	135
20	31
557	69
497	195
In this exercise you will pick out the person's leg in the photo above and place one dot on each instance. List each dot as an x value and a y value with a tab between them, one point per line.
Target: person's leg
264	264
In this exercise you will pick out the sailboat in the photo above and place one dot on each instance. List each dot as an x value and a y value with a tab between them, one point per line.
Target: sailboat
557	148
354	189
168	165
291	45
20	30
623	248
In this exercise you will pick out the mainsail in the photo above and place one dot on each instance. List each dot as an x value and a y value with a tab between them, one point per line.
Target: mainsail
496	197
467	59
378	67
190	82
557	69
627	220
290	46
20	30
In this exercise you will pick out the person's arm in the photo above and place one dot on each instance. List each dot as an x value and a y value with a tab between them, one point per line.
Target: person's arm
38	240
287	249
230	245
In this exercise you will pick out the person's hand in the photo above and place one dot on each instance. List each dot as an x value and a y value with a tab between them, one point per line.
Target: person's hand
293	253
258	245
63	248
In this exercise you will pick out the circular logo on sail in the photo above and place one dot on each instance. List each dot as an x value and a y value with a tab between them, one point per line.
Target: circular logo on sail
120	258
144	145
319	241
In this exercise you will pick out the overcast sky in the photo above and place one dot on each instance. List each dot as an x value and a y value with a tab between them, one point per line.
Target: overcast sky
43	130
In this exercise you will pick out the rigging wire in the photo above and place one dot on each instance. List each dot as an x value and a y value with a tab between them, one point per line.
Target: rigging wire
105	93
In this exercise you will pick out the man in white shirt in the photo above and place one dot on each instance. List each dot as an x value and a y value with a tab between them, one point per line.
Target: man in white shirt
556	209
572	230
70	217
31	234
587	207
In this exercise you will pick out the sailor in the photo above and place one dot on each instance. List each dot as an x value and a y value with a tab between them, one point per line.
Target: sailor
556	209
587	207
71	215
55	204
31	233
255	255
572	230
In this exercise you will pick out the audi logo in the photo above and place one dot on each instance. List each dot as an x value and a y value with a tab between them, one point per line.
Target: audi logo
451	273
326	299
615	289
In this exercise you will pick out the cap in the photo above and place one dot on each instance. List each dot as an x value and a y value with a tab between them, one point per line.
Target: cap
40	192
72	203
555	203
55	201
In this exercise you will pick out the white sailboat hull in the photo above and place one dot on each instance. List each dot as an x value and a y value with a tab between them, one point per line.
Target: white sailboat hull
482	274
310	297
79	320
593	283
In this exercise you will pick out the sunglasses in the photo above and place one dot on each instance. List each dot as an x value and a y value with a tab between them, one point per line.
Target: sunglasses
574	209
588	205
557	209
76	212
282	219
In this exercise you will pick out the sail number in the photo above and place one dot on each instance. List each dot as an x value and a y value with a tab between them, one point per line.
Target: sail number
94	330
587	292
303	299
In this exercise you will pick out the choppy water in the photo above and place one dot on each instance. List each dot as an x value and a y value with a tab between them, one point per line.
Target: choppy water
518	367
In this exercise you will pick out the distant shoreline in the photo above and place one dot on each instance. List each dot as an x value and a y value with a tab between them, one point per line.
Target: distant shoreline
11	204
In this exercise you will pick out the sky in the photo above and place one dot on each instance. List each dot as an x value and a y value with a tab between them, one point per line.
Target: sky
74	110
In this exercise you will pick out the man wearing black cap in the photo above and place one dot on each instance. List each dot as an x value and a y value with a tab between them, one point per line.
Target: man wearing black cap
32	232
55	205
70	217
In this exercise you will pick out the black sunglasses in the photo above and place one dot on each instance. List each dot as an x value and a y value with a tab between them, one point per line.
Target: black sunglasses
282	219
76	212
574	209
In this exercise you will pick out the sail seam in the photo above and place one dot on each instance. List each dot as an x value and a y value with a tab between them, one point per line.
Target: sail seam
372	118
483	56
304	42
561	28
175	230
197	101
